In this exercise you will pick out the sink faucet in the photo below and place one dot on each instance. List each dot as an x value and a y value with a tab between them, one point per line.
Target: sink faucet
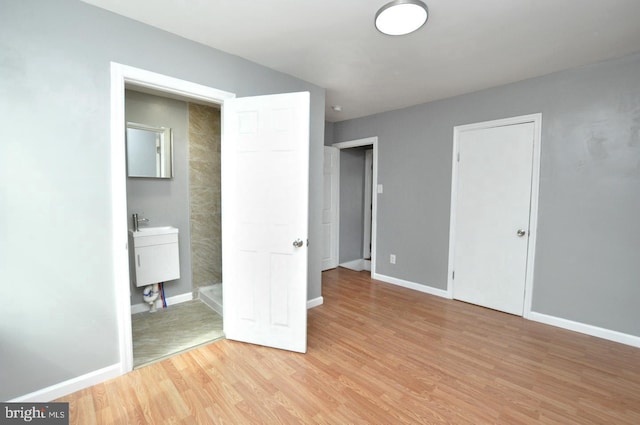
137	221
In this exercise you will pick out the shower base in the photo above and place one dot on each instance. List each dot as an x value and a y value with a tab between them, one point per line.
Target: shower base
212	296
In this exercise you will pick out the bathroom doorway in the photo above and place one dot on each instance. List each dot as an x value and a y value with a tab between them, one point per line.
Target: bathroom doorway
188	199
287	114
124	77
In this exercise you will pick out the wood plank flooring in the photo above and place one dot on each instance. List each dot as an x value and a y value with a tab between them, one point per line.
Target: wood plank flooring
381	354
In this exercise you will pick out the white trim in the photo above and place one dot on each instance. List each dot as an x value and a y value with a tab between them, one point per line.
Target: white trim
119	218
121	75
583	328
176	299
559	322
536	119
315	302
337	217
368	205
411	285
355	265
70	386
533	217
373	142
356	143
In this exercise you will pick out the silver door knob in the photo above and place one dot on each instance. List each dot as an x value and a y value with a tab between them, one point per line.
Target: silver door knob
298	243
521	233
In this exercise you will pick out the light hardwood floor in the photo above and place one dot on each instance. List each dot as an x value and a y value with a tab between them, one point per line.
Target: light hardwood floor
381	354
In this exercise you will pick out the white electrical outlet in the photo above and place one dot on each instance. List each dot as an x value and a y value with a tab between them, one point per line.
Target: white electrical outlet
380	188
392	258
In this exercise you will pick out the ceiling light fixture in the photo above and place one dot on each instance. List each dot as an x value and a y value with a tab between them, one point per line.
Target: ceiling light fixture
401	17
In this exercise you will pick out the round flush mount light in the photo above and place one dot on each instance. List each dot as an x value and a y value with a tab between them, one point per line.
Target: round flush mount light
401	17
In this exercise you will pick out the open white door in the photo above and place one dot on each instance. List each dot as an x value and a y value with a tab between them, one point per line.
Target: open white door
265	184
331	176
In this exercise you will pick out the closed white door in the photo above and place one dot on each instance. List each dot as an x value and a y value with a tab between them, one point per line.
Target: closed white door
265	182
492	214
330	208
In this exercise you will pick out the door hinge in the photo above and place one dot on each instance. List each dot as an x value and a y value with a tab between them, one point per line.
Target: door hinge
453	275
458	156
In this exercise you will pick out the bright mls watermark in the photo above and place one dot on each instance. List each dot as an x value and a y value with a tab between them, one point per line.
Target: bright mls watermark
34	413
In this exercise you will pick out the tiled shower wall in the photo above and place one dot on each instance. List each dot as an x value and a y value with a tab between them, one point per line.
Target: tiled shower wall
204	193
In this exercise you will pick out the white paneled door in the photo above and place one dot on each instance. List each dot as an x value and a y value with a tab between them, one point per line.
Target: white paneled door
492	215
330	197
265	183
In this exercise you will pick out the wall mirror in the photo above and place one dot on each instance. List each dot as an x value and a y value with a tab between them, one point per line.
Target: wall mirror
149	151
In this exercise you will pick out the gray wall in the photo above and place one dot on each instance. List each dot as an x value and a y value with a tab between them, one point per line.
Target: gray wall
352	163
59	320
165	202
328	133
587	267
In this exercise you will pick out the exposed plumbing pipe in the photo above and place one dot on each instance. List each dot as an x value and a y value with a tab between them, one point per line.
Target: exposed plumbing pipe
150	295
164	298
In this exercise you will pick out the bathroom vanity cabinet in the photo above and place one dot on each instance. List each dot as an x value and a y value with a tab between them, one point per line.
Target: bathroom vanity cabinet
156	255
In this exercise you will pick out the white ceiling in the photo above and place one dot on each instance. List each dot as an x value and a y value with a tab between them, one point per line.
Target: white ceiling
466	45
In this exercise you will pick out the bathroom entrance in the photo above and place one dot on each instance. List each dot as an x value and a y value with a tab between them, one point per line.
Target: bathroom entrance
181	191
278	147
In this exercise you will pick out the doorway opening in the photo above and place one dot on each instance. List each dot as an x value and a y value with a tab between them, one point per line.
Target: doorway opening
264	152
125	77
355	231
185	310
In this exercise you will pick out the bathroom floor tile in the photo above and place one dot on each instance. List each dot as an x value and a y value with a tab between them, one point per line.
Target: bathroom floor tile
172	330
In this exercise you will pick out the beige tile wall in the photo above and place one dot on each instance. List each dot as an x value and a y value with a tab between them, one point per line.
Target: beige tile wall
204	193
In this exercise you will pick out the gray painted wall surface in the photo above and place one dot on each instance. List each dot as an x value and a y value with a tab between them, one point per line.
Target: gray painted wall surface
165	202
587	267
352	162
328	133
59	319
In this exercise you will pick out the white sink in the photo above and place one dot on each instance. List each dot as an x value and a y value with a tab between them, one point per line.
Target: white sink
155	253
151	231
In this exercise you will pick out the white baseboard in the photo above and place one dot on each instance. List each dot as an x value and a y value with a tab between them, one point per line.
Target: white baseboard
355	265
176	299
142	307
72	385
559	322
412	285
315	302
585	329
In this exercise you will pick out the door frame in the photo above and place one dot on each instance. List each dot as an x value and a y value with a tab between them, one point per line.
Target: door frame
373	142
536	119
122	75
368	200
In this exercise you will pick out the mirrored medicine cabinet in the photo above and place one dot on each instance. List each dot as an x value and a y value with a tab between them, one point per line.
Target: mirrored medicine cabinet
149	151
